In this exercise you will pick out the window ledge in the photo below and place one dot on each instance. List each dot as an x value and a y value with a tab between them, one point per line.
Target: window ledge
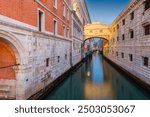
147	35
146	22
55	7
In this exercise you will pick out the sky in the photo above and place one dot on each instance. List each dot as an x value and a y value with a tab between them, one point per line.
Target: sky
105	10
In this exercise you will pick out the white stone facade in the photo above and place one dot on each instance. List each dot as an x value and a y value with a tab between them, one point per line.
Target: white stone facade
32	50
120	50
77	36
80	17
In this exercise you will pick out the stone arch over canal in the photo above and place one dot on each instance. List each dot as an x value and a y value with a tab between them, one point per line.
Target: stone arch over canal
98	30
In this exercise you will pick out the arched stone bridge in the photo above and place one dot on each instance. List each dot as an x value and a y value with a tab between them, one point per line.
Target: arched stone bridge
97	30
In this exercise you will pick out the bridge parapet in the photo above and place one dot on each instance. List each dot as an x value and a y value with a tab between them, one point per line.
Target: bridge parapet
97	29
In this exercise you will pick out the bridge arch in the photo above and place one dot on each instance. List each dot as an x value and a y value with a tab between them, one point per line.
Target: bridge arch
95	37
97	29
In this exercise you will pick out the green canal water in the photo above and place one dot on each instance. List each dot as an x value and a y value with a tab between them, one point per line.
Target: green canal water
97	79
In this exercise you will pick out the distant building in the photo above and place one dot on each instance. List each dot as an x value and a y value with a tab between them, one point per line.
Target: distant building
80	18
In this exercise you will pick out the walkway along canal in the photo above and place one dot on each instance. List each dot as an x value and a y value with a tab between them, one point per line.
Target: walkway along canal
97	79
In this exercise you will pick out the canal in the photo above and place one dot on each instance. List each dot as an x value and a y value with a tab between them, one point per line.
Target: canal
97	79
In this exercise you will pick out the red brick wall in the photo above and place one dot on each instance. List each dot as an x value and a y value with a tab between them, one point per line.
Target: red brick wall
7	58
59	13
22	10
26	11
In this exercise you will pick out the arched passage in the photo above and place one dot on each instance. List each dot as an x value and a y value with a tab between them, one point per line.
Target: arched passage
97	30
11	55
7	61
101	38
104	42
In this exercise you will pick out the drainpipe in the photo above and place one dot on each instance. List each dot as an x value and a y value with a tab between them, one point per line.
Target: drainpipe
71	44
71	65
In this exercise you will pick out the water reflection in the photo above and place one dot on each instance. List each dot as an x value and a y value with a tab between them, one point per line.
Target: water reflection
97	70
97	92
97	79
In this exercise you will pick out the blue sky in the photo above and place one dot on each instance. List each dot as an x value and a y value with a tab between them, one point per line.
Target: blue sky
105	10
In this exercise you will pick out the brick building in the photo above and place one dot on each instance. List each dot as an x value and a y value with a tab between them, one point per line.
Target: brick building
35	45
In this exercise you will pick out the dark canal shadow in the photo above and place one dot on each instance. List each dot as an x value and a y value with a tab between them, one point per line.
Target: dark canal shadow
96	79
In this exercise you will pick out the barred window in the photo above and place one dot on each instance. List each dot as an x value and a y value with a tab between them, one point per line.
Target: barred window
130	57
122	55
132	15
47	62
147	30
131	34
145	61
116	53
123	22
123	37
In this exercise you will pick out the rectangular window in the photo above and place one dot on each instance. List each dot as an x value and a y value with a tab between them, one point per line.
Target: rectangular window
40	22
64	31
145	61
66	56
147	29
130	57
118	26
147	4
113	39
112	52
113	29
132	15
68	14
122	55
68	33
55	4
123	37
123	22
64	10
58	59
117	38
47	62
55	27
116	53
131	34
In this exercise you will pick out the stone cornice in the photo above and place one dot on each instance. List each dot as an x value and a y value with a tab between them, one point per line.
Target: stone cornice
33	32
76	17
126	10
87	10
76	38
68	5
